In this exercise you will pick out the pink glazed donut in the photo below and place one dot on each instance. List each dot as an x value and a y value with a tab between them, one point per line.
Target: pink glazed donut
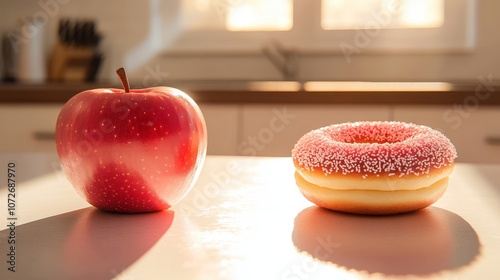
373	167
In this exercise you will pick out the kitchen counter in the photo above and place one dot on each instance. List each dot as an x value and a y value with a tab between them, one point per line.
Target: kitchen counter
245	219
319	92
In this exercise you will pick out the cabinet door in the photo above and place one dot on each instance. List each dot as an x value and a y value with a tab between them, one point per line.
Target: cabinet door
28	128
31	128
475	133
273	130
223	127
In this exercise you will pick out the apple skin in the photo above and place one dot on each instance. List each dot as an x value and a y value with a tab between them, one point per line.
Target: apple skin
131	152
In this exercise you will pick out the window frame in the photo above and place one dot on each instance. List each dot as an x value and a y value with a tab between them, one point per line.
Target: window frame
306	36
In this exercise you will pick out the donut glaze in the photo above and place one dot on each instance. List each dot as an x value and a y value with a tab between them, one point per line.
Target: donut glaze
373	156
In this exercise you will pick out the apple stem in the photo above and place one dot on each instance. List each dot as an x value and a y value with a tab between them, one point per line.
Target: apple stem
123	78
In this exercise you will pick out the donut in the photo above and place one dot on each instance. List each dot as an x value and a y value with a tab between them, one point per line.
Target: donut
373	168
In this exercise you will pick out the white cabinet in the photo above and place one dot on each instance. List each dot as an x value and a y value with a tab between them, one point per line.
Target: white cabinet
28	128
273	130
31	128
223	125
474	132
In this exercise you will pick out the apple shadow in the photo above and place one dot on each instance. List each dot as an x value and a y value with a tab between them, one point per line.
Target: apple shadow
83	244
423	242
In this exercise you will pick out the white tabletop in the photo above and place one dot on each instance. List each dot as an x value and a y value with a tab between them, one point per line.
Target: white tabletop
245	219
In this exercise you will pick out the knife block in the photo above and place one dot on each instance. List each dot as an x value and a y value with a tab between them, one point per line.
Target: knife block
70	63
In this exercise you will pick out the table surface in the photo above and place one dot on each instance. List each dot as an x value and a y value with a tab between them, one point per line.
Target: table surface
245	219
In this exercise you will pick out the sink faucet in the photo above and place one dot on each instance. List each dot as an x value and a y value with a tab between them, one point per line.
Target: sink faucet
283	58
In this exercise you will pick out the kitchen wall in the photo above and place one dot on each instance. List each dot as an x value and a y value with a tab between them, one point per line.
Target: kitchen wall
133	30
137	34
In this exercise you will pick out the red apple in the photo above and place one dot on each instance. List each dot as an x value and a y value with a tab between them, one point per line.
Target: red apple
131	151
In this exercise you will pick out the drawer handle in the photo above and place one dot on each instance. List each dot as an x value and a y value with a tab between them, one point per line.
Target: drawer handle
493	140
44	136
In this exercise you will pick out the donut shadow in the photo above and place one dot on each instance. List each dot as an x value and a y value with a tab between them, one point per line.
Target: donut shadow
423	242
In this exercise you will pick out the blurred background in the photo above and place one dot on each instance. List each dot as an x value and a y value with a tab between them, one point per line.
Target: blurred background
264	72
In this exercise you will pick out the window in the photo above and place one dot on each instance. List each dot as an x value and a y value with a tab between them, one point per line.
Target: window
355	14
260	15
238	15
328	25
